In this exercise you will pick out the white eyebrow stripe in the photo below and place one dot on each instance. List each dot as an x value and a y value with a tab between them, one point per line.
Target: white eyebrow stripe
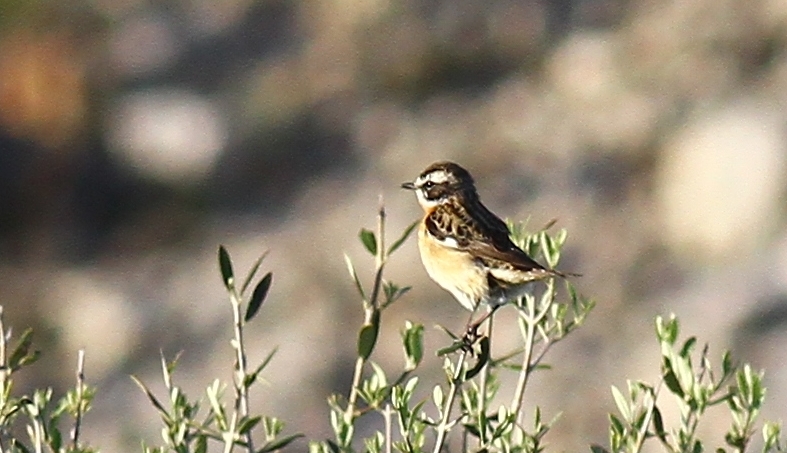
437	177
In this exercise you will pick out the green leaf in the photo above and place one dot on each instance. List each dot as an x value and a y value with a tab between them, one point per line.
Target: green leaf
225	264
22	447
253	376
56	439
369	241
413	339
151	397
202	444
688	346
248	424
21	350
455	346
551	254
214	392
258	296
621	403
30	358
726	365
403	237
354	275
658	424
252	272
393	292
771	432
331	445
272	426
670	379
472	429
438	397
684	373
167	368
278	444
615	425
367	337
672	329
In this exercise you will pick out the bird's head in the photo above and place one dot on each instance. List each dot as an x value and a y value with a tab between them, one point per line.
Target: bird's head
441	182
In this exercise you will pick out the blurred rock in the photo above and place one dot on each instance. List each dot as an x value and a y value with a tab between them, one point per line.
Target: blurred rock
721	179
168	135
95	316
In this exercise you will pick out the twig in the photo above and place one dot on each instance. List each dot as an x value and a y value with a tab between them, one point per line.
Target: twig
80	375
241	391
482	403
388	434
370	307
531	320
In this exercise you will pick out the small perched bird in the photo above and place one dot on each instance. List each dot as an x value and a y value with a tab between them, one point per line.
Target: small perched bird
465	248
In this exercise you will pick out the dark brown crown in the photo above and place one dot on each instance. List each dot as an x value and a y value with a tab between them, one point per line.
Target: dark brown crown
458	176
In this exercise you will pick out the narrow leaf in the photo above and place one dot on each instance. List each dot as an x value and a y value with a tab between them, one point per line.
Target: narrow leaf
225	264
413	345
21	350
252	272
615	425
253	376
403	237
368	240
688	346
258	296
726	365
621	403
672	383
367	337
447	332
457	345
248	424
202	444
30	358
658	424
354	275
684	373
150	396
278	444
331	445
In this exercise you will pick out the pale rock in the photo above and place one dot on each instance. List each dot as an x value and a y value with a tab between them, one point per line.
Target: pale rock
720	181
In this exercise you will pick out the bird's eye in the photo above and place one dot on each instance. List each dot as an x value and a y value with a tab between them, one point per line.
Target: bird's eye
428	185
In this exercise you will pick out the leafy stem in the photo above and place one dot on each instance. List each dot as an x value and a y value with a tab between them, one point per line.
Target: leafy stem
455	382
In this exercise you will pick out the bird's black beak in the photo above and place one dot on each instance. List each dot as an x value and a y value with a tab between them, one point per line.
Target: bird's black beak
408	186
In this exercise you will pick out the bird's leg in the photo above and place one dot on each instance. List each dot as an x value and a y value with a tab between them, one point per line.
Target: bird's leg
471	332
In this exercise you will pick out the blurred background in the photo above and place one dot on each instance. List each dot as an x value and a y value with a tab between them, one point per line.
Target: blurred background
137	136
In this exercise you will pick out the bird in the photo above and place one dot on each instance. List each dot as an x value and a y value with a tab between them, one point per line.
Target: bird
465	248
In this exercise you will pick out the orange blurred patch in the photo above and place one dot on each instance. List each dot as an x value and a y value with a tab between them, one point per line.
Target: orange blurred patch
42	87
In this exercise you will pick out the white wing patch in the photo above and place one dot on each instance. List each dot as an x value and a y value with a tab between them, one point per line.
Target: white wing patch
449	241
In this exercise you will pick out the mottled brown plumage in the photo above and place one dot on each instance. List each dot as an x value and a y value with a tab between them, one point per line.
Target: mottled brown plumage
464	247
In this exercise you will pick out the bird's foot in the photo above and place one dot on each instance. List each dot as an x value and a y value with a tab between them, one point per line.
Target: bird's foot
471	336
